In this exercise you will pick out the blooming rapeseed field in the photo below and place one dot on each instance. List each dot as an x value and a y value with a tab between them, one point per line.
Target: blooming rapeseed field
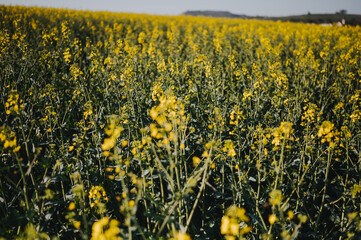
125	126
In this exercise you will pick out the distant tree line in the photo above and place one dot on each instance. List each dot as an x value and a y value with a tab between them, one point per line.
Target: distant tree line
349	19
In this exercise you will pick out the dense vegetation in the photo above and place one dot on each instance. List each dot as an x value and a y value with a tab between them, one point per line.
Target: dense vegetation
146	127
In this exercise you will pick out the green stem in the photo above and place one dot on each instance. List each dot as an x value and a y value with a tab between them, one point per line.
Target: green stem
24	182
204	178
325	187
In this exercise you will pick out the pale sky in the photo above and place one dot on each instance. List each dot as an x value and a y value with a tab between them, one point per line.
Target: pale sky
176	7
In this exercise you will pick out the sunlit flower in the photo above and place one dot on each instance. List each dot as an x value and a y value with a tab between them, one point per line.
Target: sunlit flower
272	219
275	197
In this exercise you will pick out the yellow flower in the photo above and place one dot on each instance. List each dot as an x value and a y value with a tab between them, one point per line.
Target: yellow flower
182	236
71	206
352	216
172	137
355	189
290	215
230	222
134	180
165	141
161	120
97	195
131	203
225	224
282	132
67	55
103	229
237	212
196	160
108	143
77	224
153	113
124	143
234	227
16	149
275	197
245	230
272	219
153	130
71	148
231	153
326	128
302	218
168	127
286	128
2	137
117	132
230	237
229	148
205	154
7	143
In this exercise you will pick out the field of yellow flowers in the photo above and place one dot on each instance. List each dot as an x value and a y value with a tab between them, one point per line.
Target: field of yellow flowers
125	126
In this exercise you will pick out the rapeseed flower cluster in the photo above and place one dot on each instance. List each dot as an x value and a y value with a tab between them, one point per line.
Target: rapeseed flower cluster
282	133
181	236
8	139
326	133
231	223
235	116
14	104
275	197
311	114
170	120
113	132
97	196
229	148
105	229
